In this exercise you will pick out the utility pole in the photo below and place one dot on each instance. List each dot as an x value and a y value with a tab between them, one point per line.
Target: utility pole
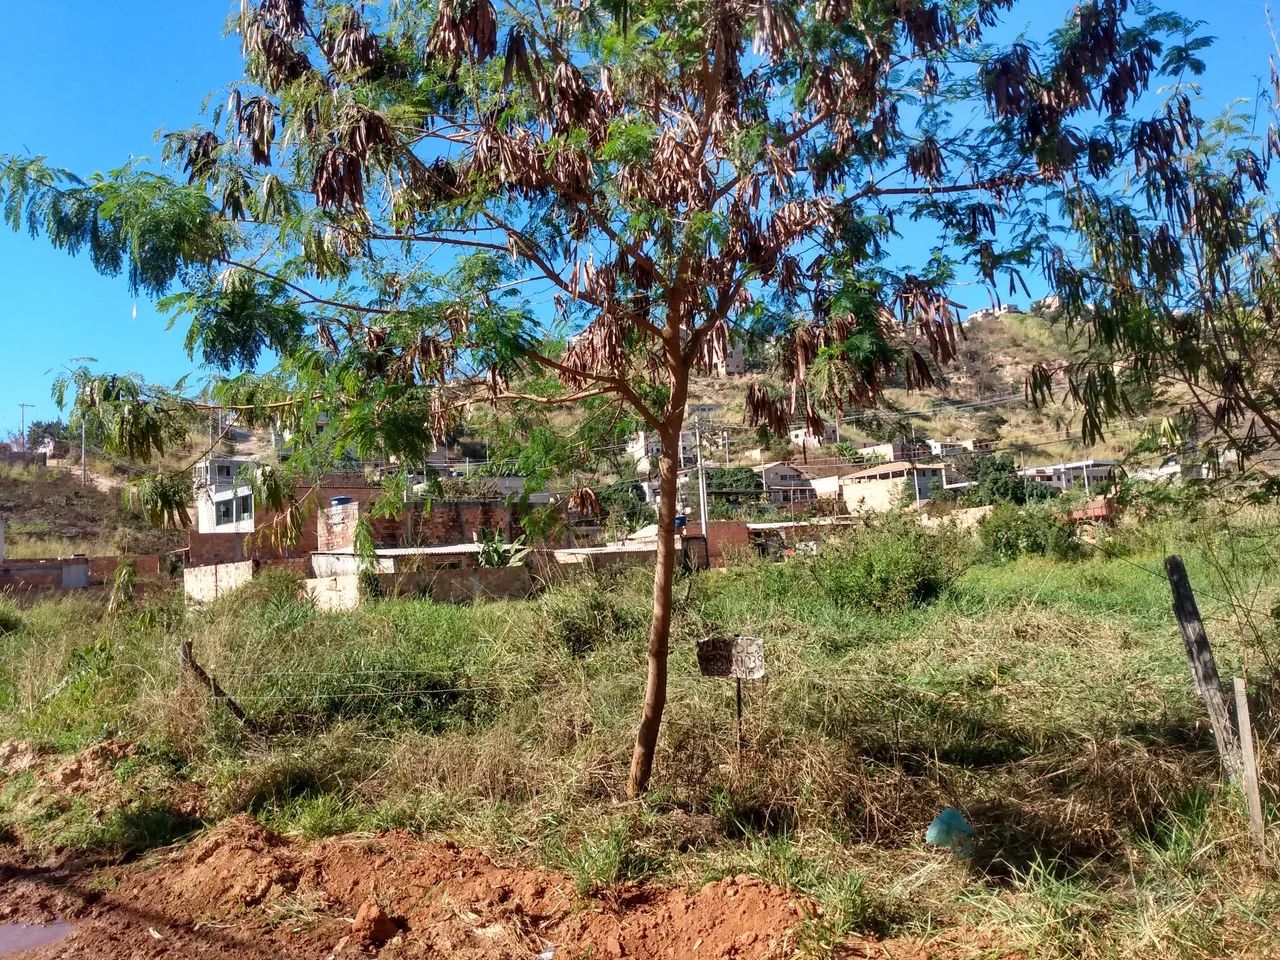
702	486
84	463
22	430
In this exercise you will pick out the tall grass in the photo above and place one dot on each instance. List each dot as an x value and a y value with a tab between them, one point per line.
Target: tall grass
1049	700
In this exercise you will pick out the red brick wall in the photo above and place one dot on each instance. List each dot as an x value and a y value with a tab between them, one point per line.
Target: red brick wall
445	524
31	579
727	536
44	574
103	569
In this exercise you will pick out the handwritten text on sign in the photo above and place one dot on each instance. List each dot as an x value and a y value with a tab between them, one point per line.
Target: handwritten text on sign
740	657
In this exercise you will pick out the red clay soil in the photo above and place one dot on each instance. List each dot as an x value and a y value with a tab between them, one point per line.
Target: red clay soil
242	892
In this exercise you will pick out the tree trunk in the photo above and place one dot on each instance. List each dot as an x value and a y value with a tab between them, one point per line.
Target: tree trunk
655	691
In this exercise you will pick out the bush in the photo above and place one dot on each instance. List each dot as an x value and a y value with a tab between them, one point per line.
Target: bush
10	618
889	565
1012	531
581	616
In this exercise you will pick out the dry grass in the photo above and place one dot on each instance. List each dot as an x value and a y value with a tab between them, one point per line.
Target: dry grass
1049	701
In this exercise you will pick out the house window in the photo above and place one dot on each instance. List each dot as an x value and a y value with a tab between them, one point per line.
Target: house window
246	505
222	512
224	471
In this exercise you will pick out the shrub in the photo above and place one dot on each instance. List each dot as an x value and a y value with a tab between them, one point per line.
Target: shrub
1012	531
585	614
888	565
10	618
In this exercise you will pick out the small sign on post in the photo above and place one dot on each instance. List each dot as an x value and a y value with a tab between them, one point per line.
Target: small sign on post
741	658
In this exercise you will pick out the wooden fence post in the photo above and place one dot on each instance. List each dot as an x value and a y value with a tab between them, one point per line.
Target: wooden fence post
1249	778
188	662
1203	667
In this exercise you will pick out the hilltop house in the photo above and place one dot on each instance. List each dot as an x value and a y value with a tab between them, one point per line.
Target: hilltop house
734	361
1089	474
802	438
645	446
885	486
953	446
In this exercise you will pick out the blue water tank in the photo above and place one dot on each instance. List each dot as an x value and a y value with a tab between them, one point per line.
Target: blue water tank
339	501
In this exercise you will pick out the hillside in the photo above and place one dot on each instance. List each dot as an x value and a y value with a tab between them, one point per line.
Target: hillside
48	513
980	395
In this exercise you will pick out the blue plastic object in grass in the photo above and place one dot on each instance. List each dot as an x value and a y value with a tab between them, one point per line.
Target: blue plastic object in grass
950	829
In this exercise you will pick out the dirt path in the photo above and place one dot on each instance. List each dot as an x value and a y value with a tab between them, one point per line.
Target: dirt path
242	892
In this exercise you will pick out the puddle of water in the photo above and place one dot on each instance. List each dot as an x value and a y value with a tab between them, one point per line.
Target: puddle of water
16	937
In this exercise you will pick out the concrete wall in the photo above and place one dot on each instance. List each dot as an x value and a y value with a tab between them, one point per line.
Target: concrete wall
71	573
334	593
343	592
967	518
216	580
877	495
558	565
342	564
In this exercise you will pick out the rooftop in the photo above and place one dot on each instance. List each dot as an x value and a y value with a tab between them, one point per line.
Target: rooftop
886	469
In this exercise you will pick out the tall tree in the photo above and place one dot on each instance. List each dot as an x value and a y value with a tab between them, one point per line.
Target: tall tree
1173	284
434	204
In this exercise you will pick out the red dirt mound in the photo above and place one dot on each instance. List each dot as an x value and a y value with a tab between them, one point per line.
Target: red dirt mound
243	892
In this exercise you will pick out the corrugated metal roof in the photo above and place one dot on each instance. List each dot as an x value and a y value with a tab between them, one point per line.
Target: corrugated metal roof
453	548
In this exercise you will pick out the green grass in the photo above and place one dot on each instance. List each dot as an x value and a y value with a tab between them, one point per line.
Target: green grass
1049	700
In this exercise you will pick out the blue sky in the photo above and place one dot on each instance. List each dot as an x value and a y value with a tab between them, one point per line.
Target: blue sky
89	83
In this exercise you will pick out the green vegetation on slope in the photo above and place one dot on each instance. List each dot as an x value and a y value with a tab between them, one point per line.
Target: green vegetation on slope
49	513
1048	699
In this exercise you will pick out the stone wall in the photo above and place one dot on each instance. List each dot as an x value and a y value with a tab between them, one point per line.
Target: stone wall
216	580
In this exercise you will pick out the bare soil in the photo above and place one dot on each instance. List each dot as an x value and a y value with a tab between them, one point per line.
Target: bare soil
42	504
243	892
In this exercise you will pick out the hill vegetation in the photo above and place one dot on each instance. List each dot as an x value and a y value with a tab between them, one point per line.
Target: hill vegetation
50	513
1049	700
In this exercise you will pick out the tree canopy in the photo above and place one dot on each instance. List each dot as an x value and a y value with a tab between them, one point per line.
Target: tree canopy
418	208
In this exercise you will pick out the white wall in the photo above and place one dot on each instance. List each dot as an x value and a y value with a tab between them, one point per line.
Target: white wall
207	500
216	579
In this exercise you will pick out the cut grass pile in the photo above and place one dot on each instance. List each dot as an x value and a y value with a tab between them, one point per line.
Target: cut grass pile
1048	700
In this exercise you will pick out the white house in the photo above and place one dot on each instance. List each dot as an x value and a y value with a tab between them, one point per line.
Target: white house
800	437
951	446
645	447
1090	474
885	486
896	450
224	502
